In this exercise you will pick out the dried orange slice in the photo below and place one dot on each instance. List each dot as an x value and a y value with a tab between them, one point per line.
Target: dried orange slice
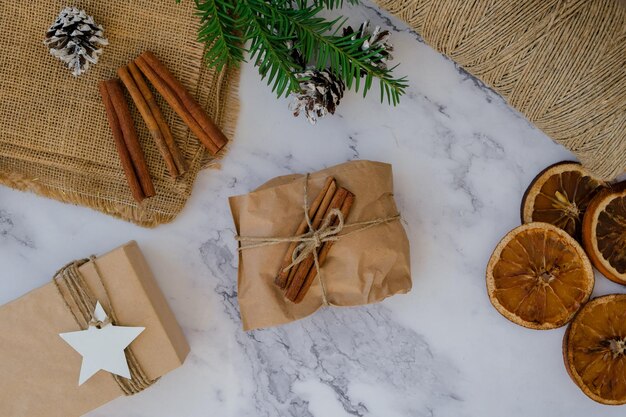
539	276
594	349
604	232
559	195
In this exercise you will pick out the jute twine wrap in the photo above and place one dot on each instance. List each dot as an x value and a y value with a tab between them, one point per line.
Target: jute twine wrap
81	303
562	63
54	136
310	242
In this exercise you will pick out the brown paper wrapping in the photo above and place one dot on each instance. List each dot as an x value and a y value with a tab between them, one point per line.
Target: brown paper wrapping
362	268
39	371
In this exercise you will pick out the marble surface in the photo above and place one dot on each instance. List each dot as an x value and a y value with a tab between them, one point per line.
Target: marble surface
462	159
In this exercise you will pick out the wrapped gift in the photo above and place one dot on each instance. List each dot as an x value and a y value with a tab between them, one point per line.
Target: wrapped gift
332	238
39	370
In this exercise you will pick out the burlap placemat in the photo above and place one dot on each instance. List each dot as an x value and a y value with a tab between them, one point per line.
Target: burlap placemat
561	63
54	136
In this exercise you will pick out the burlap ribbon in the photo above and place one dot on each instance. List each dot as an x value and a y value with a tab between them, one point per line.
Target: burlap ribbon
81	303
310	242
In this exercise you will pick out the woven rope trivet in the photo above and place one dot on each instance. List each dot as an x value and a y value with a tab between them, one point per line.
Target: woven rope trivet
54	137
562	63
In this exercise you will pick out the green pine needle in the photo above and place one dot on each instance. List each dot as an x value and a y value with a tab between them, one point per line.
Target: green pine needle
219	29
268	47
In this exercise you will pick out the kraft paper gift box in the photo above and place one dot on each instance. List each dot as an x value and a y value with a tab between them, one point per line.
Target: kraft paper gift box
39	371
362	268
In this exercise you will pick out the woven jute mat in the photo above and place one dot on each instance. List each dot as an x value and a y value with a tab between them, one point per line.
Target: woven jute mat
562	63
54	136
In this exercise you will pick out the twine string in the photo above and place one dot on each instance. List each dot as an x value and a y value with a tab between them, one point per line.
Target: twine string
309	242
108	309
81	303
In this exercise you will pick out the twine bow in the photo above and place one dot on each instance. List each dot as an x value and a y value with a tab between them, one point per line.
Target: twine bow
313	239
309	242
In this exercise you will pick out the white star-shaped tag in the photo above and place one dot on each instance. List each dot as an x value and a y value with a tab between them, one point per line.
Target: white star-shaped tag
102	348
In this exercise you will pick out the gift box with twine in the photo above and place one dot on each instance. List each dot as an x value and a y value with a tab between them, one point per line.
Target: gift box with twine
39	371
369	259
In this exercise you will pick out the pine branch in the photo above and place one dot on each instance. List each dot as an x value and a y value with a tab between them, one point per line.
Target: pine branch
269	47
277	28
344	54
220	31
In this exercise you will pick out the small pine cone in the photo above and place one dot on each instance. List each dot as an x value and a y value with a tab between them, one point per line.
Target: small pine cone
296	55
319	95
76	39
378	39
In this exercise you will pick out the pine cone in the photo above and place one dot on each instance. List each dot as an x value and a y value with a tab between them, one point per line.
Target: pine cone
296	55
76	40
320	93
378	39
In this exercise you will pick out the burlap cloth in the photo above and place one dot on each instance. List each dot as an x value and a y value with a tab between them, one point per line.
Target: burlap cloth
54	136
562	63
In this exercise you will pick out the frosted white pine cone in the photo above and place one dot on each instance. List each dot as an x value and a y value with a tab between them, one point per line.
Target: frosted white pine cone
377	39
76	39
320	94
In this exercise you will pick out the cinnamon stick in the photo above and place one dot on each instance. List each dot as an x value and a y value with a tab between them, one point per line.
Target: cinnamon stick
324	250
179	106
329	187
130	136
214	132
303	268
172	99
120	144
149	119
179	161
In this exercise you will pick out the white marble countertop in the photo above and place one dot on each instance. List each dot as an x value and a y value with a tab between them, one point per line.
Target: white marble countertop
462	159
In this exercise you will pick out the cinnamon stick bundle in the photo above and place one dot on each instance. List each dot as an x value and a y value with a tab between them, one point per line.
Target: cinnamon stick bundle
327	204
328	190
126	141
324	250
182	102
152	116
301	276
